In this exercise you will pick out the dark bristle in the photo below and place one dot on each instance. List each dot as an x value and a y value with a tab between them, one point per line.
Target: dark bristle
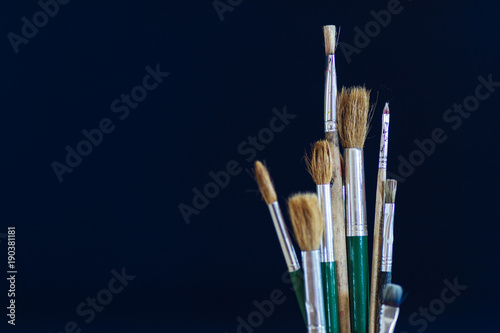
392	295
391	186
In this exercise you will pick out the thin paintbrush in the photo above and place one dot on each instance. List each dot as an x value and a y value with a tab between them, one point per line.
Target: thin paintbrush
388	233
320	166
338	213
353	121
391	301
377	226
308	226
269	194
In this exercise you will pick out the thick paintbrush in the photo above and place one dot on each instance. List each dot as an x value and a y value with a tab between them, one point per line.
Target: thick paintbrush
308	226
353	114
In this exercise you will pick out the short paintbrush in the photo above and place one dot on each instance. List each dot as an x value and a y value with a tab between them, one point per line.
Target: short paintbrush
269	194
308	226
388	233
320	166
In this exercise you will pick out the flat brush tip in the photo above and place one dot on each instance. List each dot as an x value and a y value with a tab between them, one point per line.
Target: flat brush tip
307	221
391	185
265	183
392	295
329	35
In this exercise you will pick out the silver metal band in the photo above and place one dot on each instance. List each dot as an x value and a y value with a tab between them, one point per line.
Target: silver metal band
355	192
388	237
330	105
325	203
284	238
388	318
315	310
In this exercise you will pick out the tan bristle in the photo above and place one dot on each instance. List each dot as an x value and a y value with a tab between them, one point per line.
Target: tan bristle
307	220
320	165
353	109
329	35
391	186
265	183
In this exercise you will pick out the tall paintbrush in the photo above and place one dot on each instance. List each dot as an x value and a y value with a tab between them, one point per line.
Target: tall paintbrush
377	226
269	195
391	301
320	166
338	214
353	121
308	226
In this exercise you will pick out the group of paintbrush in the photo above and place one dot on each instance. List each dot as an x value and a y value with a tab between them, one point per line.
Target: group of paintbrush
331	228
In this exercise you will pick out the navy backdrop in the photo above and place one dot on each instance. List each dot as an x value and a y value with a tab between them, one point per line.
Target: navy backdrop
108	238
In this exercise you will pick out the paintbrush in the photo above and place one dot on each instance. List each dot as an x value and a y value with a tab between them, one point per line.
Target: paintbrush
320	166
388	233
391	300
353	114
378	224
308	227
269	194
338	214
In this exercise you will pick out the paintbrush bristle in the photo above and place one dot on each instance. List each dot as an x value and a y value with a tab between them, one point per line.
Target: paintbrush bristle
391	186
353	111
392	295
265	183
320	165
329	35
307	220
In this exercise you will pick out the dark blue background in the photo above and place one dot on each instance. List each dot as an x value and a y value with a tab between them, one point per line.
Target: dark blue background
119	207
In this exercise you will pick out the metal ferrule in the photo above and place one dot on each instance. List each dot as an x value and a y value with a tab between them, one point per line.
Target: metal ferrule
355	192
388	237
330	106
325	204
382	157
388	318
315	310
285	241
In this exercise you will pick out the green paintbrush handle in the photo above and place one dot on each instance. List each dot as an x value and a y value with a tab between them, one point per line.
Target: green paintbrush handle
357	247
329	272
298	286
